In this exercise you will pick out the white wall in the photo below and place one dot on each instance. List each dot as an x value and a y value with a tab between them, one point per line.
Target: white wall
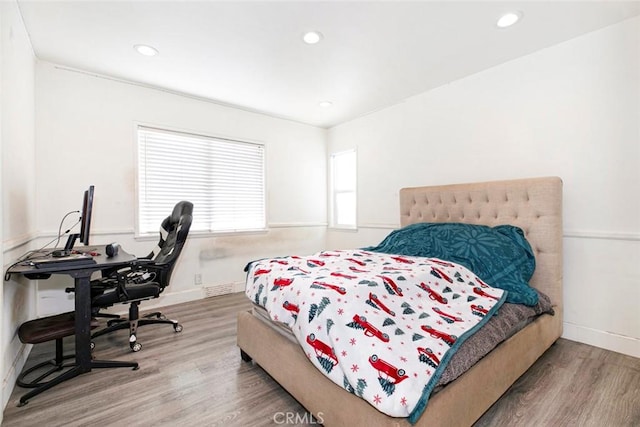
65	130
2	390
86	135
17	119
569	110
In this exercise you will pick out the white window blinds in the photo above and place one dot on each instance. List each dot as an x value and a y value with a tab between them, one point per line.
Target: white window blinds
224	180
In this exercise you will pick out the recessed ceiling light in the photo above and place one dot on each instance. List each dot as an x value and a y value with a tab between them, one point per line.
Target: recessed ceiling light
325	104
312	37
146	50
508	19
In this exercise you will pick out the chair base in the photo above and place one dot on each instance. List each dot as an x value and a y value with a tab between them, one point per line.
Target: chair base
133	322
107	315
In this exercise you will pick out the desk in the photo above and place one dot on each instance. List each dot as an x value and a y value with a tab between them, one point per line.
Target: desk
82	276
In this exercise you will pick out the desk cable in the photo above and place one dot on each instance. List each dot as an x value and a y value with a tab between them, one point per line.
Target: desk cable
56	239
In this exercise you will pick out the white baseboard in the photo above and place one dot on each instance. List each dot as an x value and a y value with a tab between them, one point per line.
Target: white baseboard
618	343
9	381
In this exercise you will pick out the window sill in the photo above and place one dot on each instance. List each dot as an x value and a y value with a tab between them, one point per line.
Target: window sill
353	229
206	234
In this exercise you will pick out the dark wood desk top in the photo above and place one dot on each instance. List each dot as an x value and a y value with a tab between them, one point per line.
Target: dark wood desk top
41	263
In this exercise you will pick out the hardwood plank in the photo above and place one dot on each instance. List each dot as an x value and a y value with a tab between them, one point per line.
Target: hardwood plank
196	378
572	384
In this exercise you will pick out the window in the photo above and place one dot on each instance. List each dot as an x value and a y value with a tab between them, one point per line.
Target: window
343	189
224	179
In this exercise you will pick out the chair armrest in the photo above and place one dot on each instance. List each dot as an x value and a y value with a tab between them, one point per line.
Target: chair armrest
149	265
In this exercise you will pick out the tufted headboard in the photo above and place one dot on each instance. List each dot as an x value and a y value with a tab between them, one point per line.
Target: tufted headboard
534	205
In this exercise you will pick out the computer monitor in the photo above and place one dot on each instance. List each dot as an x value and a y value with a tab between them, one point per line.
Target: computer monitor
85	225
85	221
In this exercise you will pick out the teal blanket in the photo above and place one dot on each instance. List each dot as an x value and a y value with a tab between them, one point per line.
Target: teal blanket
501	256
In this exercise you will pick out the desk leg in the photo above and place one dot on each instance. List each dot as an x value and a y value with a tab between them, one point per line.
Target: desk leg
84	363
83	320
71	373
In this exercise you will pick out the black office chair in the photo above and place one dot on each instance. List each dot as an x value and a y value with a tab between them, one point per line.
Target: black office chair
143	279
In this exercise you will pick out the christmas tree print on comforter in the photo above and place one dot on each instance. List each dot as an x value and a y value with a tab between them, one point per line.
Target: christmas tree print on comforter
382	326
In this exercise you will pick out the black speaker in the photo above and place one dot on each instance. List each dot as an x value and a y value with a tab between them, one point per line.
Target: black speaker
112	249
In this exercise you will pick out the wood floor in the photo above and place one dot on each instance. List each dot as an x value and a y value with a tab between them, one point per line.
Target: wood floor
196	378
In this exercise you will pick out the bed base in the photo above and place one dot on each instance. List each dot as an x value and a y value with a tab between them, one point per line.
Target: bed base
460	403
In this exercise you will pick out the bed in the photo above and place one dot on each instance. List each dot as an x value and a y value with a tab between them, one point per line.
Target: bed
535	206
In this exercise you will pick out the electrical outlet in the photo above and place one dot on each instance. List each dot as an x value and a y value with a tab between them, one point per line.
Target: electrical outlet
197	279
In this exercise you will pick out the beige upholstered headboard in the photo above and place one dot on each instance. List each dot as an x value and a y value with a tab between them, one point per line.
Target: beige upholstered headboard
534	204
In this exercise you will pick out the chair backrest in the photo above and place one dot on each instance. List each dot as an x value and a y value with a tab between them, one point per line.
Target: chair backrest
173	234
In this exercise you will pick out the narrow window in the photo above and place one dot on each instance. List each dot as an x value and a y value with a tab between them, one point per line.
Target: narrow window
343	189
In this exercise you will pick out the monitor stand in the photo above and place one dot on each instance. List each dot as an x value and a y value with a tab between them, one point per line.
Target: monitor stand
71	240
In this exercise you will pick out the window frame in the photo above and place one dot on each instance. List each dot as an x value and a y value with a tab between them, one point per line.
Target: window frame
196	134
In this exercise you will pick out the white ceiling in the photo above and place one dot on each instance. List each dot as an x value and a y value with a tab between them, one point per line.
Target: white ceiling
250	54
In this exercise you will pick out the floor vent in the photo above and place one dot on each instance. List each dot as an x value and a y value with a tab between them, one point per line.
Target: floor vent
223	289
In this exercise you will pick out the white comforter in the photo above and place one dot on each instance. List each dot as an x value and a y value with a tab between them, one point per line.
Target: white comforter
379	325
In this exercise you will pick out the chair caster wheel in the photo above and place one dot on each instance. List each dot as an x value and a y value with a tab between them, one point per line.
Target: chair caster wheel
92	345
135	346
177	327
